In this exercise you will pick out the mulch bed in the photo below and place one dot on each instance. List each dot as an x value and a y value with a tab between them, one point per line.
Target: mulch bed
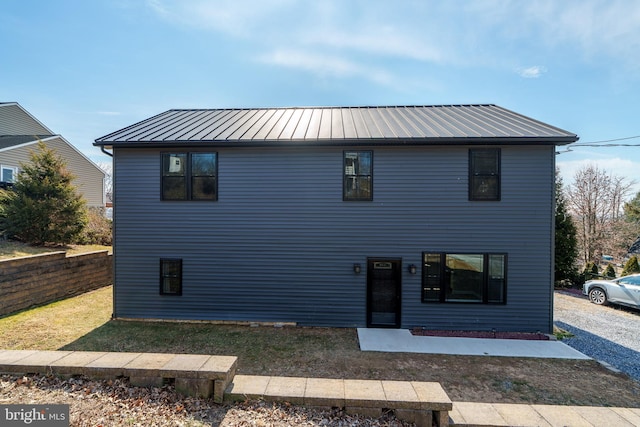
482	334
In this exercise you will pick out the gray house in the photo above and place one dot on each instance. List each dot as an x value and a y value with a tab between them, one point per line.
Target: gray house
19	135
421	216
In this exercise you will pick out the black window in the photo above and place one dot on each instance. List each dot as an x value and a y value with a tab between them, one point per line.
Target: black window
484	174
458	277
170	276
189	176
358	175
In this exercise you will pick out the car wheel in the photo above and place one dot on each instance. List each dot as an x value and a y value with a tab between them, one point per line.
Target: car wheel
597	296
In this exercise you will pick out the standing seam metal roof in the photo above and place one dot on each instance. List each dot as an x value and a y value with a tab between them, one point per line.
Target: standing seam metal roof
340	125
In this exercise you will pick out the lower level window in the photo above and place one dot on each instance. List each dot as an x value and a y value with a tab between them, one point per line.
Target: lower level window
470	278
170	276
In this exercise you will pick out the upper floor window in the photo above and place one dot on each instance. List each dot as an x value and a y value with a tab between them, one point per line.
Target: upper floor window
8	174
484	174
358	175
189	176
456	277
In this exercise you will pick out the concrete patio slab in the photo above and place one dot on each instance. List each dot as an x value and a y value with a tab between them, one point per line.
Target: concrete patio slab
402	341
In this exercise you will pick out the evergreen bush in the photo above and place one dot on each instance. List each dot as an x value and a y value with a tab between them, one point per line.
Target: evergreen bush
631	266
610	272
43	207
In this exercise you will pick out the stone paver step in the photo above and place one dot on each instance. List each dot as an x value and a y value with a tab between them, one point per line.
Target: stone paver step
474	414
196	374
413	401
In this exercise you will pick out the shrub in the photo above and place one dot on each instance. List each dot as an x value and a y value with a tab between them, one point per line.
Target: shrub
98	230
631	266
610	272
590	272
43	207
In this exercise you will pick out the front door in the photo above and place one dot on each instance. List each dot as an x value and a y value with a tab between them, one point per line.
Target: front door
383	292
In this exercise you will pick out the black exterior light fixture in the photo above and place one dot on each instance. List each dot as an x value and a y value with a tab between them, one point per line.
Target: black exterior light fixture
356	268
412	268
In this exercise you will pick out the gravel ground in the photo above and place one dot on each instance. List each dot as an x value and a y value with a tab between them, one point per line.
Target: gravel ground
606	333
117	403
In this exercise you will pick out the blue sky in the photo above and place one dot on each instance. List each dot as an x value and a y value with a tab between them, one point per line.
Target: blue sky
87	68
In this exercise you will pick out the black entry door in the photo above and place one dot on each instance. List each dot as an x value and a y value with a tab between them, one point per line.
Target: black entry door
383	293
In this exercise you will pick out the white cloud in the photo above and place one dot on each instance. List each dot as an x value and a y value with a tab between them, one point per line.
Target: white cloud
532	72
323	64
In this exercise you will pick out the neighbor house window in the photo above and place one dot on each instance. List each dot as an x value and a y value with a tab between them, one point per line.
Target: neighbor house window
484	174
8	174
170	276
458	277
189	176
358	175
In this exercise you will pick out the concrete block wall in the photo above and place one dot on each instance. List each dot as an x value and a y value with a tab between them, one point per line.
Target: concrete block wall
44	278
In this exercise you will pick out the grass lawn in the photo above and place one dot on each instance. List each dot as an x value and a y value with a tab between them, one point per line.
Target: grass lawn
83	323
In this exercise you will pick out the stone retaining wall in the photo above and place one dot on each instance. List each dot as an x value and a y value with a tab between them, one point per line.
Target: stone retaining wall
44	278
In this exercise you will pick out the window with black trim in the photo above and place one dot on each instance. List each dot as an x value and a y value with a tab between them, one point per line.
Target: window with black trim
189	176
358	175
466	278
170	276
484	174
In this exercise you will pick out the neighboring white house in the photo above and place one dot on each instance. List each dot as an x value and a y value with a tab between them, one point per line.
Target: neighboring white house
19	135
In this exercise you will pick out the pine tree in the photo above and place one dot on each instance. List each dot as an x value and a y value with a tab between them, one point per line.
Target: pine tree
631	266
609	272
566	243
43	207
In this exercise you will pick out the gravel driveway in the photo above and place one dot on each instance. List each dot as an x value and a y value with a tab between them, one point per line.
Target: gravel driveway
609	334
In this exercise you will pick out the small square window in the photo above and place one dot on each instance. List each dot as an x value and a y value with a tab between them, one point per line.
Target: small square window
8	174
170	276
484	174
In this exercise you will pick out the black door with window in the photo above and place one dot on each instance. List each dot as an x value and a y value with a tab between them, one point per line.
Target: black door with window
383	292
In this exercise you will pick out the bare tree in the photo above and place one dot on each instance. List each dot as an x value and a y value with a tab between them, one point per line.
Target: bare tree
107	168
596	201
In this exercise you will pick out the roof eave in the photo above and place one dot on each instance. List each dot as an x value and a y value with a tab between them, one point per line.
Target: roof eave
389	142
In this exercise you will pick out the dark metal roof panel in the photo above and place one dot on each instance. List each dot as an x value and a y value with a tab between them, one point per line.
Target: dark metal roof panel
340	125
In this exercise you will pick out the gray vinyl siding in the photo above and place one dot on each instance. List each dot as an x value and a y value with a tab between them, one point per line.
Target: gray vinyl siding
16	121
89	177
280	243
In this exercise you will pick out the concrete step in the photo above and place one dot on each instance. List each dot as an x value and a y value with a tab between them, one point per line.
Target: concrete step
413	401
